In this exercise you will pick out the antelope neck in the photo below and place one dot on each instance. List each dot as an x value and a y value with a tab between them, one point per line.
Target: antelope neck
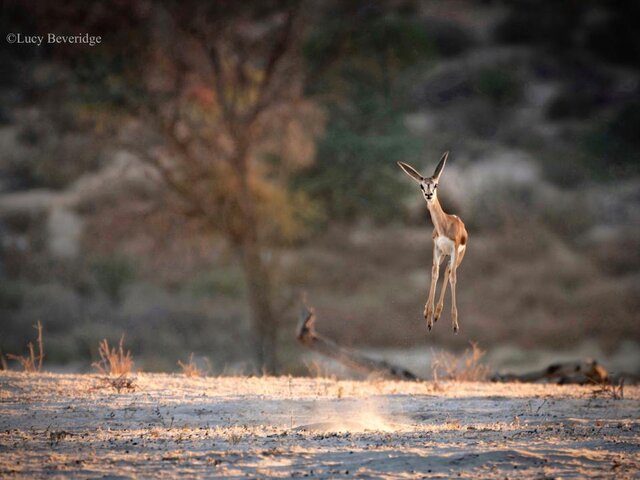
437	215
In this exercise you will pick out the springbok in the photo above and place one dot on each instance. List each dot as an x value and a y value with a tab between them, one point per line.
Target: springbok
449	239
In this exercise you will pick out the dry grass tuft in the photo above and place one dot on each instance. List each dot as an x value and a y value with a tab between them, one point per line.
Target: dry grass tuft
190	369
117	362
615	392
31	363
234	438
467	368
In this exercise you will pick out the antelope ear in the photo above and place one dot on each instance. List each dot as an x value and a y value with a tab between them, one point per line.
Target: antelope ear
440	167
412	172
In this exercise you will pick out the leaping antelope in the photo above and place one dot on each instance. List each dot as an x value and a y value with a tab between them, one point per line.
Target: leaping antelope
449	239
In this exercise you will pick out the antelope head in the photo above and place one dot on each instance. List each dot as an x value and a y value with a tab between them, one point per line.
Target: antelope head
428	185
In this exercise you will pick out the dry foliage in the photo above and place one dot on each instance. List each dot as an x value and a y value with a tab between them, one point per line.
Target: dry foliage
191	369
31	363
467	367
118	383
616	392
234	438
117	362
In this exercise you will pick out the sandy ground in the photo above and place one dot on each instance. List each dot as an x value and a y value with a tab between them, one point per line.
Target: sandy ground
58	425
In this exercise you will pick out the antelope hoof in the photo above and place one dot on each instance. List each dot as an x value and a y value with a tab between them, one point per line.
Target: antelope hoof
428	315
436	315
454	320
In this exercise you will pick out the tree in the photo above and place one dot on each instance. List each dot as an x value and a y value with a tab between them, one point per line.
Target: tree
210	95
225	100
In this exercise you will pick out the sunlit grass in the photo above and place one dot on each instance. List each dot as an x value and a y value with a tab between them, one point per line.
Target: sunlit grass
115	362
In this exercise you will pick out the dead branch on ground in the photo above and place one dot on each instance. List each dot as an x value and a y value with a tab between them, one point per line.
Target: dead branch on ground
582	373
307	336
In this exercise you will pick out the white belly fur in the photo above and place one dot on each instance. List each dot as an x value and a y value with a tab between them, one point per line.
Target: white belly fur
446	245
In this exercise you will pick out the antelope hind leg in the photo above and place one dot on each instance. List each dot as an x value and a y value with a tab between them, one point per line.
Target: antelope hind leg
435	273
440	305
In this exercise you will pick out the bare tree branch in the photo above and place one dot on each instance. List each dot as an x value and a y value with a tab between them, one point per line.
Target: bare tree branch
278	52
219	85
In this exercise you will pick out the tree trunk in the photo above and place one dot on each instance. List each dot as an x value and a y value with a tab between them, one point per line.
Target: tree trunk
264	326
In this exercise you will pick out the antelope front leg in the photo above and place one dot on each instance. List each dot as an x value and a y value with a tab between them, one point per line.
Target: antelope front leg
440	304
454	308
435	273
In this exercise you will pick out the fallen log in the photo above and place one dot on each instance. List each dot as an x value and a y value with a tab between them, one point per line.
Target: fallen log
307	336
583	373
588	372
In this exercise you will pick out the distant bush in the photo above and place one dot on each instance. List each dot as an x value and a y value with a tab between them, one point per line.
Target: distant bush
563	165
543	22
624	125
355	174
220	281
572	104
614	146
448	38
481	118
360	56
113	273
498	84
603	28
615	37
11	295
569	218
59	306
32	362
395	39
500	205
501	189
612	254
54	150
486	83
